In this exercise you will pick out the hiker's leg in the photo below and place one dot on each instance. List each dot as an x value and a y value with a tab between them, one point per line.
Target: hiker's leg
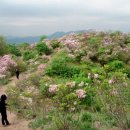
2	119
17	76
5	118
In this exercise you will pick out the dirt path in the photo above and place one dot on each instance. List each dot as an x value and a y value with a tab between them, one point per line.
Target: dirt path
16	123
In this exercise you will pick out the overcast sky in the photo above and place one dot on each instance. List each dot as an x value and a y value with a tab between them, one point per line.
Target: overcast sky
37	17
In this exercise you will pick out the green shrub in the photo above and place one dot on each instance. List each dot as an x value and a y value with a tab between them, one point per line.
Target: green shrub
35	79
37	123
55	44
86	117
13	49
114	65
42	48
60	66
28	55
4	81
21	65
94	40
3	46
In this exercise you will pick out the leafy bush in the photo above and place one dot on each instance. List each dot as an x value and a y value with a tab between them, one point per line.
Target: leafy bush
86	117
114	65
3	46
94	40
13	49
38	122
4	81
28	55
21	65
60	66
55	44
42	48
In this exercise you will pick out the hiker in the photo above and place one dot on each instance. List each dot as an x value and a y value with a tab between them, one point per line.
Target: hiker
17	73
3	110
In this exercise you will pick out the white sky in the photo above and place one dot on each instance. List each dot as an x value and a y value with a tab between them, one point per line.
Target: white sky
37	17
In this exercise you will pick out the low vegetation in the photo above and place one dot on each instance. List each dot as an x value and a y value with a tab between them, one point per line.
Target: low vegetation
77	82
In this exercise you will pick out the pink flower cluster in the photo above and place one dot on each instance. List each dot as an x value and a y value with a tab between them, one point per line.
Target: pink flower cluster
53	88
6	63
71	84
81	93
41	67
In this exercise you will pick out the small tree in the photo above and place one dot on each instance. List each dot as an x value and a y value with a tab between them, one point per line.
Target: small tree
42	48
3	49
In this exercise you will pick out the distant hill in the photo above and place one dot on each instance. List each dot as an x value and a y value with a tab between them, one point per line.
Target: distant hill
17	40
32	39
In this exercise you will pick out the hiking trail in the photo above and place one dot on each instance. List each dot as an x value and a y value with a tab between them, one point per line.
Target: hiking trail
16	123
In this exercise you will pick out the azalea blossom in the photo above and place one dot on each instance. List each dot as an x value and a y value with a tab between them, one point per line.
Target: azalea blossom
5	64
81	84
81	93
53	88
72	84
41	67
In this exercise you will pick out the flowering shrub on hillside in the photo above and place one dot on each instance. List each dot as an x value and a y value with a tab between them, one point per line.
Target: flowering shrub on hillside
81	93
53	88
41	67
6	63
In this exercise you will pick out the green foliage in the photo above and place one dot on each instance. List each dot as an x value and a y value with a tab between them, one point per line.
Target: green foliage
55	44
114	65
4	81
94	40
81	77
21	65
3	46
127	40
42	48
13	49
38	122
23	46
60	66
65	98
28	55
101	70
35	79
86	117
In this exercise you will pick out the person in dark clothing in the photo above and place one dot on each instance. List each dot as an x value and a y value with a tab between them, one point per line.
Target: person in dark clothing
17	73
3	110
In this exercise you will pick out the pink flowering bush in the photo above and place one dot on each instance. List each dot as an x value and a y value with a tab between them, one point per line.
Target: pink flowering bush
41	67
6	64
71	84
81	93
53	88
